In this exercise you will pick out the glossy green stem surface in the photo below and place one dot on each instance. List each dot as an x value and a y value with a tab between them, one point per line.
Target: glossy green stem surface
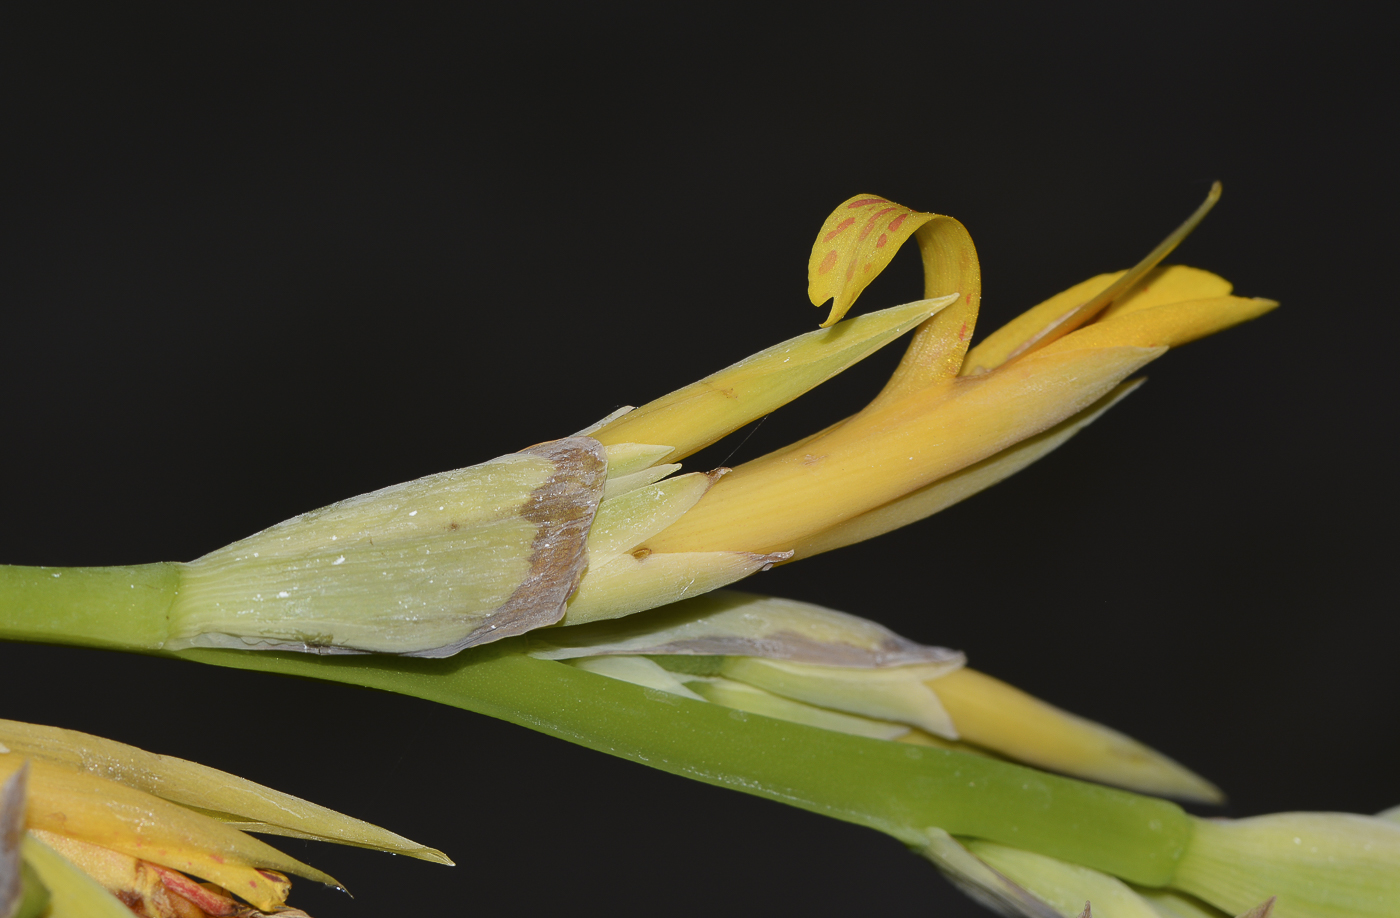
899	789
896	788
120	608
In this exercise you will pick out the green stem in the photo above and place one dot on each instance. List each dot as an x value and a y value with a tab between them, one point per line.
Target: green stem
895	788
121	608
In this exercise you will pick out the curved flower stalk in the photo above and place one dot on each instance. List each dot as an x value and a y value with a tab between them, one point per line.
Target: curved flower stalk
112	830
808	664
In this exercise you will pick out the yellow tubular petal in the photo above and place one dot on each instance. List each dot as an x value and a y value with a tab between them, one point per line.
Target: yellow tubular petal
990	713
102	812
1076	317
636	582
227	798
75	894
1166	326
959	486
877	456
1170	284
1065	887
855	244
937	350
703	412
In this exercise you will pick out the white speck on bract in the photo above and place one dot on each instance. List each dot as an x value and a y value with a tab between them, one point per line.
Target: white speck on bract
283	594
340	560
413	513
58	575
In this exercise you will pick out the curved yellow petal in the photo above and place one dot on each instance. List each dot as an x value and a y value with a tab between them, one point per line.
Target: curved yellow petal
855	244
937	349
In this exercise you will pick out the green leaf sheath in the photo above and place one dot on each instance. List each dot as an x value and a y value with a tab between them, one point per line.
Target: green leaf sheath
896	788
120	608
893	787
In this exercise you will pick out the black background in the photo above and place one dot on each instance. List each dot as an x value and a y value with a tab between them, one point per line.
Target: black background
255	263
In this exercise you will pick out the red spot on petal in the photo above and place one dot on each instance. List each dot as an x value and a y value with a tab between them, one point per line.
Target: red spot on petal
867	267
850	270
216	858
828	262
962	332
880	243
840	228
897	222
870	224
866	202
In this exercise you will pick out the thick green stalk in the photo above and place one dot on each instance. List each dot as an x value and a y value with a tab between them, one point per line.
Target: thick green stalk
121	608
896	788
899	789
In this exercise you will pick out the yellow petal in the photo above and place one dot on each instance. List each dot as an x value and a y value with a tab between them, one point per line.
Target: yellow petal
877	456
102	812
990	713
1165	326
703	412
855	244
228	798
937	350
1086	311
1170	284
960	485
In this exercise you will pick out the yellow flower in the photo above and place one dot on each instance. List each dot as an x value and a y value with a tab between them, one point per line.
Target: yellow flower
99	815
951	420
